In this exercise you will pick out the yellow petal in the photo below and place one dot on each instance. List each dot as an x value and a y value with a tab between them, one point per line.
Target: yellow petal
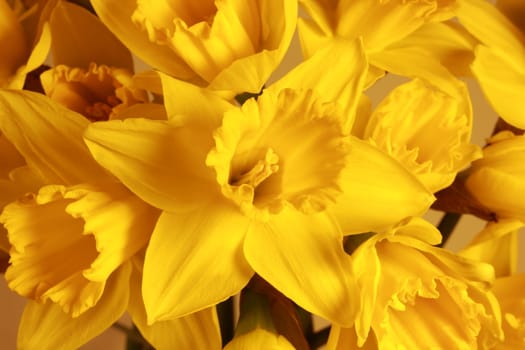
493	29
503	84
46	326
451	43
342	83
416	63
199	331
199	251
377	191
497	245
204	103
132	222
259	339
160	161
116	15
385	22
302	256
500	168
49	137
38	33
80	38
10	157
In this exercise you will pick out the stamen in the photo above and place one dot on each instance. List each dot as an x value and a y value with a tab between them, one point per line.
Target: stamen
260	171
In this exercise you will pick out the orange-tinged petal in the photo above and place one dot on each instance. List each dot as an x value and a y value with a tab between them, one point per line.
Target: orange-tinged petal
514	10
46	326
80	38
49	137
199	251
199	330
161	161
302	256
377	192
10	157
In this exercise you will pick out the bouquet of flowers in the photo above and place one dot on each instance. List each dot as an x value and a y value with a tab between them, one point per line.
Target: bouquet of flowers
220	208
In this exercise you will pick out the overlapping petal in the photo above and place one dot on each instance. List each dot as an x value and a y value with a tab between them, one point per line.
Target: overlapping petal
199	250
160	161
377	192
198	331
49	137
303	257
48	326
72	46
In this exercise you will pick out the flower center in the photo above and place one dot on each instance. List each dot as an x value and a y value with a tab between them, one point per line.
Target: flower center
97	93
279	150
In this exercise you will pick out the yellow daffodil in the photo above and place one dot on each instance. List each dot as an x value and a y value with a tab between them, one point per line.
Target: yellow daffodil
384	25
416	296
500	59
24	37
229	45
63	252
497	244
496	180
428	132
269	188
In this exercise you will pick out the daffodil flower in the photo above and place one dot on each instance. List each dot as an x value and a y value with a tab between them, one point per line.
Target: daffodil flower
429	133
404	279
229	45
267	188
25	39
500	58
63	254
500	168
384	25
497	244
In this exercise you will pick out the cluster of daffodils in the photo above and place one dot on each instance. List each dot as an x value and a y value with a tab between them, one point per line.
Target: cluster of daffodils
168	192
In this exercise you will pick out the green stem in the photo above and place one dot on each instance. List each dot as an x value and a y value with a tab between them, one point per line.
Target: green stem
446	226
134	340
